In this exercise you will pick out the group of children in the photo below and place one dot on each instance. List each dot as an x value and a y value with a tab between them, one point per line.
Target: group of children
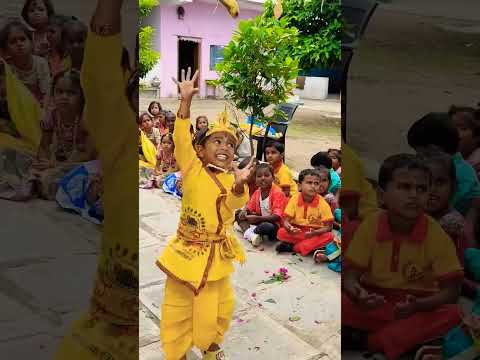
157	164
303	216
42	132
410	246
265	201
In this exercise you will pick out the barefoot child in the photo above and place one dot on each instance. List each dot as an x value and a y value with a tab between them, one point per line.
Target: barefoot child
265	208
274	153
198	301
401	271
307	224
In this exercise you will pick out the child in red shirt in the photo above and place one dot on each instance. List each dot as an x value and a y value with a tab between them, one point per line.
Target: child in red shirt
265	208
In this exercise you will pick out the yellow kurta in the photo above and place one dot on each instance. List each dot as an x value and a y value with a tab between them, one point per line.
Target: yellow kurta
149	152
25	113
354	182
204	246
199	301
110	327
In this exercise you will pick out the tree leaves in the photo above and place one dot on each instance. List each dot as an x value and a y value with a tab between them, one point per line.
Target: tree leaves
147	57
320	30
258	70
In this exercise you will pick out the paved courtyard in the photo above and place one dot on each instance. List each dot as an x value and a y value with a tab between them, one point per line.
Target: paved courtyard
295	320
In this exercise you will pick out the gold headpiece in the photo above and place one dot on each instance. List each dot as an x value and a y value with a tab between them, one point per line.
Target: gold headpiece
222	125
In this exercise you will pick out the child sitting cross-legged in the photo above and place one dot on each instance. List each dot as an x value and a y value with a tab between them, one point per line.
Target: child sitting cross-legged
401	272
308	218
265	208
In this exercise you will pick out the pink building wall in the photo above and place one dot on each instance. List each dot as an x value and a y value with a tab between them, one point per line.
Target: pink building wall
199	22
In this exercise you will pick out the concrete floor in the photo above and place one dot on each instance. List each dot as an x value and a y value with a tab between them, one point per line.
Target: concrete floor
261	329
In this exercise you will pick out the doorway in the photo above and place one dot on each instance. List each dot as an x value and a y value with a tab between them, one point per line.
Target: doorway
188	56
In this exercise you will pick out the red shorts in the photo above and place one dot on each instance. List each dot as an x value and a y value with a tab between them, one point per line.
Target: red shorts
303	245
395	337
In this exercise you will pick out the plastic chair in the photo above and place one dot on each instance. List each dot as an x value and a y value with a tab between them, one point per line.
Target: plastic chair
279	125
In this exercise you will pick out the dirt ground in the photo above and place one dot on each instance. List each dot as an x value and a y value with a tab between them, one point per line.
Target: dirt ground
409	64
315	126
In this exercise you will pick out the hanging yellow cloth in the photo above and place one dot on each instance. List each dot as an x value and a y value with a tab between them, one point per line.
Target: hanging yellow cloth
149	152
25	113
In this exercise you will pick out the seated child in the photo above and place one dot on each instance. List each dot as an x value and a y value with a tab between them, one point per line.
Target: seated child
30	69
308	220
401	271
265	209
36	14
435	130
65	142
439	202
58	59
75	34
158	115
323	159
170	121
336	156
467	122
201	123
274	153
166	163
146	125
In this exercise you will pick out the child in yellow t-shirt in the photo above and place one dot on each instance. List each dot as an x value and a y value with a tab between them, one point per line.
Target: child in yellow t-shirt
308	219
274	153
198	302
401	272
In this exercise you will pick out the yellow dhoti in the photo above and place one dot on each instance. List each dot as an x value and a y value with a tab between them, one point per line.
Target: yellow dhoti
189	320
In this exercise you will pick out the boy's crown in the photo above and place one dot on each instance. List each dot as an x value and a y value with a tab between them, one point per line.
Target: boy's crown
222	125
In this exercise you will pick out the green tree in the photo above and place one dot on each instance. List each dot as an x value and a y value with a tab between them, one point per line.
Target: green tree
257	70
147	57
320	26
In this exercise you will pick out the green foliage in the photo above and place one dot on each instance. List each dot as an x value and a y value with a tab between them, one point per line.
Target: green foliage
320	26
147	57
146	6
257	70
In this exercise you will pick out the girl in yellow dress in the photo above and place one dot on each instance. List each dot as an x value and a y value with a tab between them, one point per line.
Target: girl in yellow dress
199	301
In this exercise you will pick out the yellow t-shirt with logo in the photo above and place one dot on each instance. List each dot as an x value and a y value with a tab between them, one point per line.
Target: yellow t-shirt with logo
416	261
315	214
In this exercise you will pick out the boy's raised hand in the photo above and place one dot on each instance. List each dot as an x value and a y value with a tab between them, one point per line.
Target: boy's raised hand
186	84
